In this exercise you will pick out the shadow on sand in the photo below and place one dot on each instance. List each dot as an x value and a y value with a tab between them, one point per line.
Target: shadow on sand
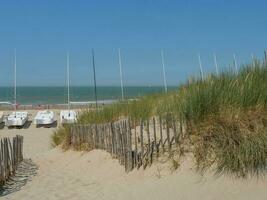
53	125
2	125
27	125
24	173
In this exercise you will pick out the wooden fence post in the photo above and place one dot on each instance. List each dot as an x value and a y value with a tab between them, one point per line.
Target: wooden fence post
160	130
168	134
121	139
149	150
112	139
155	137
130	152
175	130
135	148
142	143
11	154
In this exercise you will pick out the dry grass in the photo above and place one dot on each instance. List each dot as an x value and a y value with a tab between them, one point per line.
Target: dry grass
233	144
61	137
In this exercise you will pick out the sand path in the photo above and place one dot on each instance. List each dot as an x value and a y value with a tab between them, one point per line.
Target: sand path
95	175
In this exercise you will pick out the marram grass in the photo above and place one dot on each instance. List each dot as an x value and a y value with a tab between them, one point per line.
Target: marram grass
195	100
235	143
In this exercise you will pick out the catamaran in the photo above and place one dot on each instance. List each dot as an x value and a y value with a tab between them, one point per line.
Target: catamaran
1	117
44	117
16	118
68	116
164	73
1	113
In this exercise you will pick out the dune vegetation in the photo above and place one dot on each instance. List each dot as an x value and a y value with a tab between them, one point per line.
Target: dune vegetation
225	117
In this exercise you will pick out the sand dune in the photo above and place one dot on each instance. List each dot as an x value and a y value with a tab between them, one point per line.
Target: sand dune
95	175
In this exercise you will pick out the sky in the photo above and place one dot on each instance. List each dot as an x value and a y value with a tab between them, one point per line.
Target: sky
44	31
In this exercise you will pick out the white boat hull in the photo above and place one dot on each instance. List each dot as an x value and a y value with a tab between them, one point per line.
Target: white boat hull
17	119
44	118
44	121
1	117
68	117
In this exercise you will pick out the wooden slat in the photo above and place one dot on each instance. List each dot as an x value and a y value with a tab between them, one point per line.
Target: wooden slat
11	154
124	142
142	142
168	135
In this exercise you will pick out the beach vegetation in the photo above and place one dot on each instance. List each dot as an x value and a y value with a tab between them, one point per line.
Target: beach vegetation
61	137
225	117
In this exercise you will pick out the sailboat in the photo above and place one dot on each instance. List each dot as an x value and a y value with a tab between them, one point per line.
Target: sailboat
164	73
1	117
68	116
44	117
122	89
16	118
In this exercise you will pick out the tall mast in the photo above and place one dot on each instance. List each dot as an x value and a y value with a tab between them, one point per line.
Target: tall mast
216	64
253	60
163	69
235	64
200	66
122	92
93	60
265	56
15	80
68	79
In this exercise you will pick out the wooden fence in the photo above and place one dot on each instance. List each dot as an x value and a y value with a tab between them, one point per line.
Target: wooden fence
10	157
133	145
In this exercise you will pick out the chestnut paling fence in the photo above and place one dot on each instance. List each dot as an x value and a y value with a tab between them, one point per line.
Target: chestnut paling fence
134	146
10	157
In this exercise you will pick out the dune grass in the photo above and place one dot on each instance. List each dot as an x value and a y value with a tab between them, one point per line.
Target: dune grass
236	142
61	137
225	117
195	100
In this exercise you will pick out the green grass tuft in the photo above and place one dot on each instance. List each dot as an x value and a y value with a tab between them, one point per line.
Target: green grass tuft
61	137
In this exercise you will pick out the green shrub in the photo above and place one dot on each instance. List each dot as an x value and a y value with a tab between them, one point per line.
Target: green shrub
61	137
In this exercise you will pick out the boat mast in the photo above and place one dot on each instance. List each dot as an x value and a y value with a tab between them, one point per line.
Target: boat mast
93	60
163	69
216	64
265	57
68	80
253	60
235	64
15	81
200	66
122	92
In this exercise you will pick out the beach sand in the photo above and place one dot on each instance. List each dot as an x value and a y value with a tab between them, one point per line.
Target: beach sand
95	175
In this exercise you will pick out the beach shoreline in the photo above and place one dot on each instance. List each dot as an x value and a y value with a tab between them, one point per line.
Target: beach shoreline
74	105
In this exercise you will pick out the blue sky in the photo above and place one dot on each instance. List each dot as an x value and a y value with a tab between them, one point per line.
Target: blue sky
43	31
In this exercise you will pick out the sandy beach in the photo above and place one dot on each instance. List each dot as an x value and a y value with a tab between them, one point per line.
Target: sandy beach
95	175
160	100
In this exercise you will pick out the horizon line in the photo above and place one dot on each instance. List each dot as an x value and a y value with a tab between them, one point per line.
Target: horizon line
89	86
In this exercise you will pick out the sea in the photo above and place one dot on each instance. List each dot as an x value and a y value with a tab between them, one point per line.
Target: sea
58	95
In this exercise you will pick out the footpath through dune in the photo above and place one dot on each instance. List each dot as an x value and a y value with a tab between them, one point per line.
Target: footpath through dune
95	175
